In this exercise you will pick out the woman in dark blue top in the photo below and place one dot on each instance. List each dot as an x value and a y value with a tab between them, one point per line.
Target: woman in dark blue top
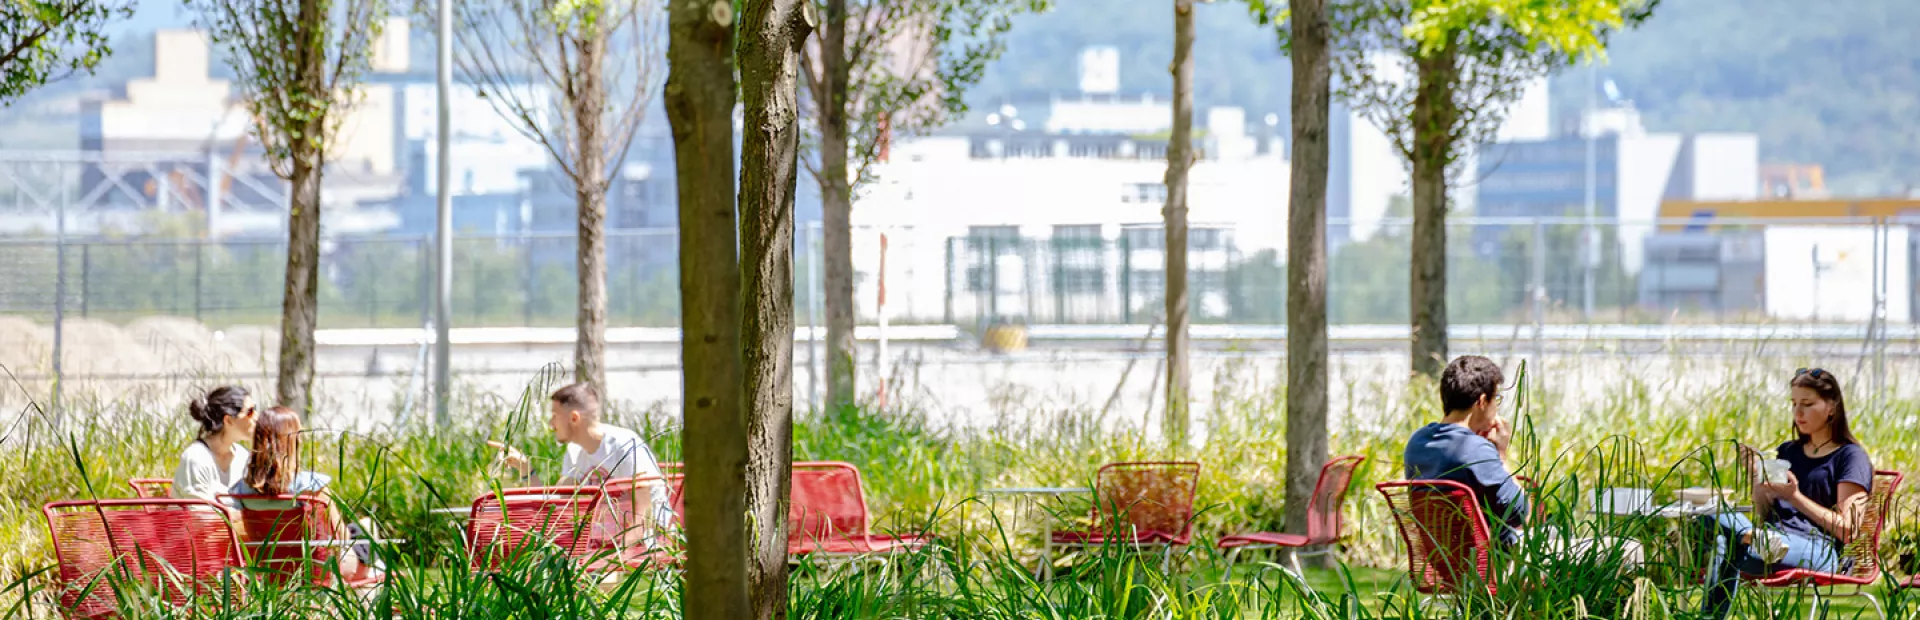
1815	511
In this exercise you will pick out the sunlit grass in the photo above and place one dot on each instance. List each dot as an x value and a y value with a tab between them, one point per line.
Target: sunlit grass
921	474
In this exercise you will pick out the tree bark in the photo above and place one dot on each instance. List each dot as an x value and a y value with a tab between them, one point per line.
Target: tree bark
1434	116
299	305
590	193
836	194
1307	261
1179	163
771	35
699	101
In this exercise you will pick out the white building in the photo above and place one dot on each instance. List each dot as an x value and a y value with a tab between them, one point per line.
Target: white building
1089	203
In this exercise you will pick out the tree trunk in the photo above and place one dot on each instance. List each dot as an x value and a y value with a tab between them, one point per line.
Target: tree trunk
836	195
1179	162
699	101
590	193
299	304
1434	116
771	35
1307	262
300	301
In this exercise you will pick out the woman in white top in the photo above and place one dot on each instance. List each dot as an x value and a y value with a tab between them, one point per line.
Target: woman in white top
215	461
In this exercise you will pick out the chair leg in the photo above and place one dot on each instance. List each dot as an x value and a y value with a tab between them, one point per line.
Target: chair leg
1166	557
1044	572
1293	557
1233	557
1877	607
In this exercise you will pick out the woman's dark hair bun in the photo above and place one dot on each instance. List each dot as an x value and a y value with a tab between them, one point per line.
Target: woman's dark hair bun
211	410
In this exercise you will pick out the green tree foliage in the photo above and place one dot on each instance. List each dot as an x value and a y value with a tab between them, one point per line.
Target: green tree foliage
44	40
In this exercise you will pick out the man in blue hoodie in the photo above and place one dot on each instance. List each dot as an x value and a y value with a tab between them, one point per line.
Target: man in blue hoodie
1469	445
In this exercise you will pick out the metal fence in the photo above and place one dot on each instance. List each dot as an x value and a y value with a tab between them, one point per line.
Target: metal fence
1849	284
1498	272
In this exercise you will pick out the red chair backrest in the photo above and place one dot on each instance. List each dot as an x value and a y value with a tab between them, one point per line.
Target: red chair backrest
827	503
672	467
1325	515
505	524
677	497
623	501
181	548
1864	547
288	519
1150	499
1448	547
151	488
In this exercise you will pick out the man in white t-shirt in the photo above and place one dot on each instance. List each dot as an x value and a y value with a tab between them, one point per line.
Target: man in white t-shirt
596	452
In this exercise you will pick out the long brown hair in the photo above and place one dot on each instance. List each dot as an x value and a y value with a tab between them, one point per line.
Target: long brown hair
276	451
1827	387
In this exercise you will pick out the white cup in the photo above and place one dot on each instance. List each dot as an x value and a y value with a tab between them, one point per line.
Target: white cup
1774	471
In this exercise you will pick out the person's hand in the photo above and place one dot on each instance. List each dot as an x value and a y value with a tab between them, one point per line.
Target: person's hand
1786	490
1501	435
511	457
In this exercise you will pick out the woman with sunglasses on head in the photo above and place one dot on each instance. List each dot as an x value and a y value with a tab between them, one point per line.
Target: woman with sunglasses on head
1813	512
215	460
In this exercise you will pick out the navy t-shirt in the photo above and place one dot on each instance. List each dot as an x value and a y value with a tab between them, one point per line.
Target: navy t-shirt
1441	451
1820	479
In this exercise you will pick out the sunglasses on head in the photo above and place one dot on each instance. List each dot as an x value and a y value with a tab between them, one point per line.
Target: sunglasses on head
1815	372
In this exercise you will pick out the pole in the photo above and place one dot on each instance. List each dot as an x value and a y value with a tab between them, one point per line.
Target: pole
59	296
443	238
1539	293
880	360
1589	244
814	298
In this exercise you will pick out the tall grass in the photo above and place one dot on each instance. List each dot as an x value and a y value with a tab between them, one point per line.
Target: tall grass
920	474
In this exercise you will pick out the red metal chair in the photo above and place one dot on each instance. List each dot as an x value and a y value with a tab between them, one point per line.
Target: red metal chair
182	549
827	515
1863	550
151	488
620	525
1139	504
1324	518
1449	549
293	537
504	525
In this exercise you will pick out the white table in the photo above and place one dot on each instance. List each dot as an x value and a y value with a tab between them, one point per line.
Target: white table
1033	494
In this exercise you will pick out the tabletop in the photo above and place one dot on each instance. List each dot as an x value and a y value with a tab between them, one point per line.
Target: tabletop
1037	491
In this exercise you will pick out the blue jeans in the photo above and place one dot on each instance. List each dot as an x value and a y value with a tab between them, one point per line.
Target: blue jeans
1731	557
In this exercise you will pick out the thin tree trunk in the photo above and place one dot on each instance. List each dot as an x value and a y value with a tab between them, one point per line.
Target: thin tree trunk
1307	262
299	307
1179	162
1433	120
590	192
837	198
771	35
700	98
300	303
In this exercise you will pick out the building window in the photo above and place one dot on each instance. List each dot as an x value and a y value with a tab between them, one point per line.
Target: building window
1144	193
1077	264
1144	237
